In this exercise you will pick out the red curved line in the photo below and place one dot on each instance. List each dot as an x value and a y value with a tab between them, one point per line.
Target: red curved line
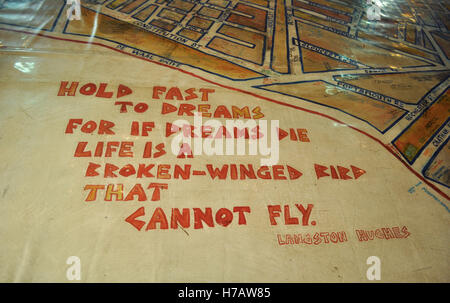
386	146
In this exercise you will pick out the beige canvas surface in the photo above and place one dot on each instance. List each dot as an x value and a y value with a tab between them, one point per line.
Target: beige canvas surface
345	187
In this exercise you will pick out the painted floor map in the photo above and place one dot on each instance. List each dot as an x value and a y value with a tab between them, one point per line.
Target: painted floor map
224	140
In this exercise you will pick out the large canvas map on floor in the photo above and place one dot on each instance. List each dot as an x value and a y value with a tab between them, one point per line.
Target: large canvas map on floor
224	141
